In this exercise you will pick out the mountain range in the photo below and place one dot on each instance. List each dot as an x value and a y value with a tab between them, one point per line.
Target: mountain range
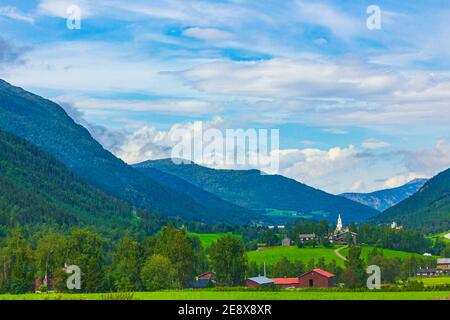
276	197
427	210
384	199
46	124
54	172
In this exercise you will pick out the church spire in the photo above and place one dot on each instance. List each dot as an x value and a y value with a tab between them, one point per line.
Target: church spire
339	224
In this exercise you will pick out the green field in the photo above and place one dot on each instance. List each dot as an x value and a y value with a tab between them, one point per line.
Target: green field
387	253
274	254
441	236
244	295
432	281
208	238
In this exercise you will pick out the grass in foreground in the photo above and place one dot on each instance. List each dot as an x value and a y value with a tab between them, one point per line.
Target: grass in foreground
244	295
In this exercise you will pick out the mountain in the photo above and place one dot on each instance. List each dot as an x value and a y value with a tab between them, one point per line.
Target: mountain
427	210
35	189
46	124
199	195
384	199
278	197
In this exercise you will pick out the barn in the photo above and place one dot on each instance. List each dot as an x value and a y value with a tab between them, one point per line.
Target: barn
286	283
259	282
316	278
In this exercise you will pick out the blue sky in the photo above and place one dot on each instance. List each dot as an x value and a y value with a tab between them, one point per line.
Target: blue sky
357	109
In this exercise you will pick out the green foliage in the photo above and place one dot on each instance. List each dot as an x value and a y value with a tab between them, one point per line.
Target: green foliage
17	259
126	264
229	261
159	273
85	251
355	272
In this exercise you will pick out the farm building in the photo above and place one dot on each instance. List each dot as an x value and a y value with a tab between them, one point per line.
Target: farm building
286	242
316	278
443	264
286	283
207	275
259	282
426	272
307	237
204	280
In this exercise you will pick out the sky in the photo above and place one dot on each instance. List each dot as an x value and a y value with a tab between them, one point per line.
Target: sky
357	108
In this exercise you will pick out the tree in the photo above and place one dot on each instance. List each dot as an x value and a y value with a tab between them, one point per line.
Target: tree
229	260
126	264
176	245
158	273
51	252
85	251
355	272
17	260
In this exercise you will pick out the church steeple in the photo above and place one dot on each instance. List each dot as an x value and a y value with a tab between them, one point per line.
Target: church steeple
339	224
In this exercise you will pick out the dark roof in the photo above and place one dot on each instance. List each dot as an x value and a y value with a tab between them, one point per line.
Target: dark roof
200	283
261	280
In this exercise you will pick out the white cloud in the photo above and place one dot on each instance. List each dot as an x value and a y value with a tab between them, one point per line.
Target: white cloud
58	8
13	13
400	180
374	144
208	34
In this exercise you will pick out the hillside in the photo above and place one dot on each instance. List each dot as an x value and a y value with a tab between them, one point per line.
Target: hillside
266	193
209	200
384	199
46	124
428	210
35	188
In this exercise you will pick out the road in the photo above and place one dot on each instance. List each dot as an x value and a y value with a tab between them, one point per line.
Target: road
338	253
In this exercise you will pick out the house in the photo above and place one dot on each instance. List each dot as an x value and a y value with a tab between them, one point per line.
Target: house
256	282
426	272
286	283
207	275
342	235
316	278
307	237
286	242
444	264
204	280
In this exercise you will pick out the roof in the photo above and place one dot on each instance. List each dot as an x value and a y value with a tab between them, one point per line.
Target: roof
324	273
201	283
261	280
285	281
443	261
307	235
205	274
427	270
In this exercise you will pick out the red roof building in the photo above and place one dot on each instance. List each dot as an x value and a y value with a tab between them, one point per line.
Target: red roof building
316	278
286	283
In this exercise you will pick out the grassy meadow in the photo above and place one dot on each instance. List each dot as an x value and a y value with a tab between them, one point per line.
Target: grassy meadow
274	254
387	253
241	295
